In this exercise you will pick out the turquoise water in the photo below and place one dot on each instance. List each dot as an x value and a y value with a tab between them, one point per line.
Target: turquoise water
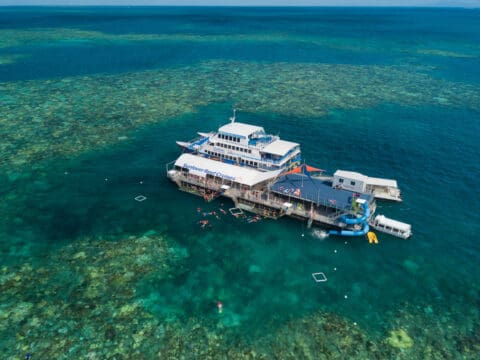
386	92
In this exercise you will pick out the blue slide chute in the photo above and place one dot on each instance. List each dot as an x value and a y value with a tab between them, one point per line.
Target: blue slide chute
361	232
349	221
365	216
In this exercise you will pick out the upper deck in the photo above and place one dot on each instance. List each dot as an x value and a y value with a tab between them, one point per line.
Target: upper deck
240	130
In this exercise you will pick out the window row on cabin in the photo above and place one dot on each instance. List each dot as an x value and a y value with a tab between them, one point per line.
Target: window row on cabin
233	158
236	148
229	138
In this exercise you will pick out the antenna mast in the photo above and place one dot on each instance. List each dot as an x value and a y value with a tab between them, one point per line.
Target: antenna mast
232	119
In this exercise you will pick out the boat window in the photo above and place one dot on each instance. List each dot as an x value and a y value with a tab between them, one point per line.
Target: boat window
340	181
352	183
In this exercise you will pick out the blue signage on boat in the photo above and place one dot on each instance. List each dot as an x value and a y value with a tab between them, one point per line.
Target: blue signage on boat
209	172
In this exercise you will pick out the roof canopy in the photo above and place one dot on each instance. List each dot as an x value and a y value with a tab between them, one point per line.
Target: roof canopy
240	129
279	147
366	179
382	182
314	190
350	175
202	167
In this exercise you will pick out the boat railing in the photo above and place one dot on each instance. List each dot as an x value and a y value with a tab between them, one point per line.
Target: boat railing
170	166
268	198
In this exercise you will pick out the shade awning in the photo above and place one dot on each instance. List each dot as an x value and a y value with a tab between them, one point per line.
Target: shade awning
202	167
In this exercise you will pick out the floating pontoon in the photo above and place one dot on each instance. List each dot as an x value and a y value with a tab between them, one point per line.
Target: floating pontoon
259	173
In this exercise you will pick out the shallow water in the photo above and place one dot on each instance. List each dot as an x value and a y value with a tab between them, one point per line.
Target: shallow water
81	142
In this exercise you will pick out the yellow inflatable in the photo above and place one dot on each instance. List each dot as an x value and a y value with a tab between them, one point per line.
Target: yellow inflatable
372	238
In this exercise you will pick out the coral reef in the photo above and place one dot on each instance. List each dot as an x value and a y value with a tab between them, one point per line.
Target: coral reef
48	118
83	304
9	59
14	38
399	339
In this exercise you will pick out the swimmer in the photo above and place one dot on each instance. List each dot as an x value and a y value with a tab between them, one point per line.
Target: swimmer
219	307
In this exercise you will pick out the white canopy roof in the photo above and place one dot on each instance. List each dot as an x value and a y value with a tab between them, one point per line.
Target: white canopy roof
382	182
350	175
201	166
279	147
366	179
240	129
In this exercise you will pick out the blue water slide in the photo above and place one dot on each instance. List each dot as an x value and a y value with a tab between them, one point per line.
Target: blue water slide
361	232
362	219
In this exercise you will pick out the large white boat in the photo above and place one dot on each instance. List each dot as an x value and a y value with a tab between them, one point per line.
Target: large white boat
245	145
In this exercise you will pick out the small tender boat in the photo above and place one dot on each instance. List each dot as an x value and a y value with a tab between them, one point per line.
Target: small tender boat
392	227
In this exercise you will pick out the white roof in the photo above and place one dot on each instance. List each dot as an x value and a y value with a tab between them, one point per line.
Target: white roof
366	179
381	219
279	147
240	129
382	182
350	175
201	166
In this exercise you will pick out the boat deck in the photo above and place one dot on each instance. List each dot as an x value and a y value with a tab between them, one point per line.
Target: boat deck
315	205
315	190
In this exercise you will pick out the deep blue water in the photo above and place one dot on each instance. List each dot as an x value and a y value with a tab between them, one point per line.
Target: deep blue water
432	151
386	34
